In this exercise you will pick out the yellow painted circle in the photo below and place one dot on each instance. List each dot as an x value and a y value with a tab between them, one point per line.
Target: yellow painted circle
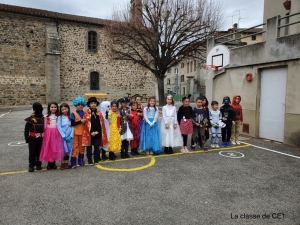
151	163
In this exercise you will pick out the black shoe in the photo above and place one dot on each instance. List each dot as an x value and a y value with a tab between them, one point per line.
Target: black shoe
49	168
115	156
104	157
171	150
38	167
166	150
137	152
54	167
111	156
90	162
31	169
133	152
127	155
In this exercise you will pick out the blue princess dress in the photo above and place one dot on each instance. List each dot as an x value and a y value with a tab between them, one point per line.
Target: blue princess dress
150	135
67	133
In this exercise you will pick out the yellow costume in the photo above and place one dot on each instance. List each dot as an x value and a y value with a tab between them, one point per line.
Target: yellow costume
115	141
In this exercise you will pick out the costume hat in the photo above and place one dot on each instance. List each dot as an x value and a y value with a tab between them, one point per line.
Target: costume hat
92	99
124	99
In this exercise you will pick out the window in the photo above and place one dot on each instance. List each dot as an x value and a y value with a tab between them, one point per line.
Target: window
253	37
94	81
169	70
176	71
195	65
184	91
188	67
168	81
182	78
92	41
191	69
182	65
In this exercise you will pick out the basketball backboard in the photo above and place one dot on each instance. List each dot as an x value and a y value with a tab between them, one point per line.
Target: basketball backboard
218	56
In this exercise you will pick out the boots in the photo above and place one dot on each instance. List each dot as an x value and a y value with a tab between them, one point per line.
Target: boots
122	153
111	156
104	157
80	160
136	151
126	149
171	150
64	165
73	163
166	150
133	151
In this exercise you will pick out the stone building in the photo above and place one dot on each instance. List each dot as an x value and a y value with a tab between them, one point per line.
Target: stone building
49	56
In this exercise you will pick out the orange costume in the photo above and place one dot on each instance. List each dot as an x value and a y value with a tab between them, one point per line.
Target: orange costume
86	135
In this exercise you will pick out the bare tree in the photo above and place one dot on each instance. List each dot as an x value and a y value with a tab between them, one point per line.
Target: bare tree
158	34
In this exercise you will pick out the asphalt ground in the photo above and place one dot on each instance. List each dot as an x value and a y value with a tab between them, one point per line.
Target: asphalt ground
248	184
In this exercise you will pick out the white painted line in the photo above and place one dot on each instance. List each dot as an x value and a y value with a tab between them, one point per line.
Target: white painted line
5	113
231	154
297	157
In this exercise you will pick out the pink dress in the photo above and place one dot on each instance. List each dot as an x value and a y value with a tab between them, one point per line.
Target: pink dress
52	147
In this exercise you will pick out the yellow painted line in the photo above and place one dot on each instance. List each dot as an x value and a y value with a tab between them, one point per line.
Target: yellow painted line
151	163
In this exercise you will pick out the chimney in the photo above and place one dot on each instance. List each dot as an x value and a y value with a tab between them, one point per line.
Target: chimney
136	10
235	27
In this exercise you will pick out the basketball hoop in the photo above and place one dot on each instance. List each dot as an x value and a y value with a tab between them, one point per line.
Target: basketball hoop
208	70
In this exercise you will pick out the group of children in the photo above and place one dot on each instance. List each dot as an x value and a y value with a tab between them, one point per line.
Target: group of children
63	136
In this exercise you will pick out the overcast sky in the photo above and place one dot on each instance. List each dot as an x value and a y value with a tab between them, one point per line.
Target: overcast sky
251	11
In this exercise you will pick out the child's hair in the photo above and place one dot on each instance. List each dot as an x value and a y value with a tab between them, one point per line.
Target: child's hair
171	98
114	102
184	98
199	98
133	103
48	109
148	106
66	106
214	103
138	96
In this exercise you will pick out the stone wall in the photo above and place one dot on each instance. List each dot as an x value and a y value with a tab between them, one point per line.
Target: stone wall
23	76
116	77
22	56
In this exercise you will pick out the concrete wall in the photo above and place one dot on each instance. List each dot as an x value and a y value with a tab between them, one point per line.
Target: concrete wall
274	52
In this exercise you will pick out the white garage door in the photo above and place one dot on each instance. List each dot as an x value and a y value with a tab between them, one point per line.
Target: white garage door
272	104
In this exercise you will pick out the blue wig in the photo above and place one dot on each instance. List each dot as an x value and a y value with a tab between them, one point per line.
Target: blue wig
79	101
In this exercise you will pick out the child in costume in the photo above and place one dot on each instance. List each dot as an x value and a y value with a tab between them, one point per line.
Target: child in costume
150	134
185	115
170	133
115	140
94	131
215	120
126	133
33	133
52	147
228	117
135	121
77	121
67	133
199	122
140	109
235	131
207	124
104	109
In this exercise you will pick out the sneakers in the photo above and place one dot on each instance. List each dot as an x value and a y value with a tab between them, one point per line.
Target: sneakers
38	167
217	146
186	150
238	143
228	144
31	169
212	145
90	162
233	142
223	144
182	150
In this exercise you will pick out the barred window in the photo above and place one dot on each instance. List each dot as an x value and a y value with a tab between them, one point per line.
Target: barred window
94	81
92	41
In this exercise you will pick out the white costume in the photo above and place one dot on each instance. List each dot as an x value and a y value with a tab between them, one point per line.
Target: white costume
170	137
104	107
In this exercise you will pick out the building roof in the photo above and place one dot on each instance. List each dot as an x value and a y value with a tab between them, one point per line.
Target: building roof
52	15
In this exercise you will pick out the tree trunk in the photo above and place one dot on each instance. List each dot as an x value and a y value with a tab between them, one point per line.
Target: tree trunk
161	90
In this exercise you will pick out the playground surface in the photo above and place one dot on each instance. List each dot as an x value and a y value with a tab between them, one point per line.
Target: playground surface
254	183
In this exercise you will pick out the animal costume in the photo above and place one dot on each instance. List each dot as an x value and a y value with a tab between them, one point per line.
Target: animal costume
170	137
238	120
115	140
228	115
33	133
135	125
67	133
150	134
78	149
104	108
95	122
126	132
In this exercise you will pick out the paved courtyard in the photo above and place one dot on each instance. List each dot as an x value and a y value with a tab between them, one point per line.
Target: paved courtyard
255	183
